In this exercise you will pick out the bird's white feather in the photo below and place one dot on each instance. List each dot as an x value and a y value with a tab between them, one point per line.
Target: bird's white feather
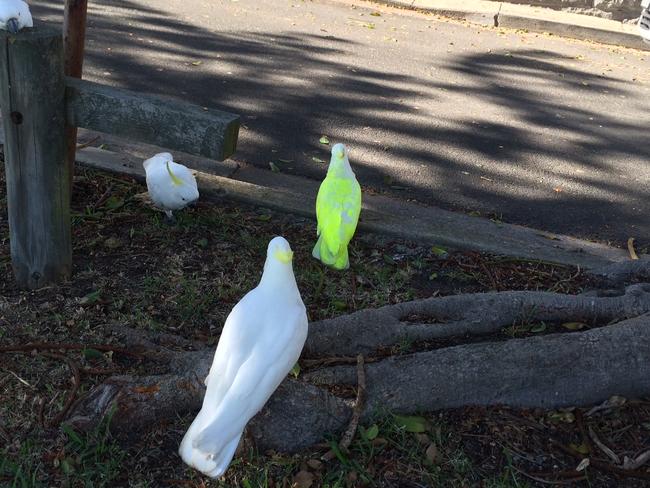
15	9
260	343
171	186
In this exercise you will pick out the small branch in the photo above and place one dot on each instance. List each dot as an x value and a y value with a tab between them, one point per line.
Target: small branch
346	440
87	143
104	196
548	482
348	435
640	460
51	346
599	465
75	387
610	454
630	248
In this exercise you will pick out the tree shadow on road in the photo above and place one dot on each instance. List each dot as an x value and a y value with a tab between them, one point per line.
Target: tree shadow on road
480	135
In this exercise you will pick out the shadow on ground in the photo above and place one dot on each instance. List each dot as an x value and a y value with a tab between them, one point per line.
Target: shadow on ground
482	136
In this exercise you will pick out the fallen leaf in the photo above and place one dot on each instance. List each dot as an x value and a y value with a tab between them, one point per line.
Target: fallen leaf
375	14
538	328
324	140
411	423
303	479
581	448
317	160
440	252
566	417
90	353
295	371
372	432
90	298
574	325
432	453
583	464
423	439
113	202
314	464
112	243
197	63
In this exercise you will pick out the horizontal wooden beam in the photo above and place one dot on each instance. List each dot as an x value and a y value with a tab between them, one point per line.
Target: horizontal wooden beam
154	120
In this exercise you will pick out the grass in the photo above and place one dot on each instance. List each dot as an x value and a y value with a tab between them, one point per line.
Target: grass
132	269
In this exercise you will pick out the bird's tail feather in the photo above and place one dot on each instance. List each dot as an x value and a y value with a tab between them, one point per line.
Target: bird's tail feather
225	457
316	250
342	259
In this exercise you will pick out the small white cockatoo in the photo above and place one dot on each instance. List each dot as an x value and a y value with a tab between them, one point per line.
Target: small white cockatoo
171	186
644	21
14	15
259	345
338	205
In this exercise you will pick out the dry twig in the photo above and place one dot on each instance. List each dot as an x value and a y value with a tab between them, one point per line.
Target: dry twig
637	462
75	387
52	346
348	435
610	454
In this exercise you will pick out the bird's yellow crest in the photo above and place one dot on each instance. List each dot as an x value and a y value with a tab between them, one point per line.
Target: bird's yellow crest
175	179
283	256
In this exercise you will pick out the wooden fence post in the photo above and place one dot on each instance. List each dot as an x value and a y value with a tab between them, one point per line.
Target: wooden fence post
74	39
32	101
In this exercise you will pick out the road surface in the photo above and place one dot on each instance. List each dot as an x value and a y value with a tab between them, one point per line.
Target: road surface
527	128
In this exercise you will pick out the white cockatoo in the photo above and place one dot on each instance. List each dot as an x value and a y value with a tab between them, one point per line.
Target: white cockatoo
14	15
259	345
338	206
644	21
171	186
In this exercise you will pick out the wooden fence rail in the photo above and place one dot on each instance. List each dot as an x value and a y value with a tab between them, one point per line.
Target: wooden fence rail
37	101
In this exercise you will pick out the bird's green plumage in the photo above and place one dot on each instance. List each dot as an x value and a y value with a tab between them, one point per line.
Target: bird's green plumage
338	205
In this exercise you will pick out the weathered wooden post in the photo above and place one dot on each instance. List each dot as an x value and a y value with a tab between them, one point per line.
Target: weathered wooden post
32	91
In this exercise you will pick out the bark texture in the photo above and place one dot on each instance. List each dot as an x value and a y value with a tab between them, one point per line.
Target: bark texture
549	371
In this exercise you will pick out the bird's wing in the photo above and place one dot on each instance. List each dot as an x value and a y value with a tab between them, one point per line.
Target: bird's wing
337	210
275	352
350	215
235	345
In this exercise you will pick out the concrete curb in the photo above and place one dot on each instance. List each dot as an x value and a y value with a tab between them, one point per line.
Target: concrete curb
531	23
382	215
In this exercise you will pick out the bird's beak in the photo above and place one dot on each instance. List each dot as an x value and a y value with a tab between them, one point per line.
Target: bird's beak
12	26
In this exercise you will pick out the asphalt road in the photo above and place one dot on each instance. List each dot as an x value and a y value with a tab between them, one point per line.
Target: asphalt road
529	128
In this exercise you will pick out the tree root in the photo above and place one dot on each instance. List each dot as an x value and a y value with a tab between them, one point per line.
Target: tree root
547	371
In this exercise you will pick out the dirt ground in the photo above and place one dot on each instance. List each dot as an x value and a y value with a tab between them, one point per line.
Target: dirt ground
132	269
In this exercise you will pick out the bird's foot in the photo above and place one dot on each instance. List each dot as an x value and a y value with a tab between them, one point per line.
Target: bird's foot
169	218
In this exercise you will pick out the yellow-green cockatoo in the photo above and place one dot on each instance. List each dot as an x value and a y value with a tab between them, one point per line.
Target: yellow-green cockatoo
14	15
171	186
338	205
259	345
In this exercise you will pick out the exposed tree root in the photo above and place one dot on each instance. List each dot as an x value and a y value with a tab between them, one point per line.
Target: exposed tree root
550	371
